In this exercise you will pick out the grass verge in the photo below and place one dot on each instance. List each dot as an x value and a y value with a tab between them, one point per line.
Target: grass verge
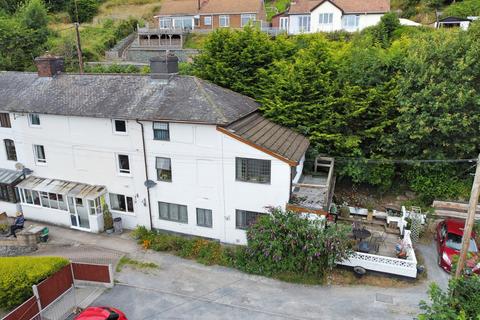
126	261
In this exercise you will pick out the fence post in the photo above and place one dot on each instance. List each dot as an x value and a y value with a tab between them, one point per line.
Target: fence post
110	273
71	270
37	297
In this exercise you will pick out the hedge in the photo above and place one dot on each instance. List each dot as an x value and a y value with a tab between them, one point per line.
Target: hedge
18	274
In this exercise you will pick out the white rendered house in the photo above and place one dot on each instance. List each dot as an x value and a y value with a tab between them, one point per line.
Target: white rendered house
164	151
307	16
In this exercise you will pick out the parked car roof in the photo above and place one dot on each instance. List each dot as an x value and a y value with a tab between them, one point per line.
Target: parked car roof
182	99
455	226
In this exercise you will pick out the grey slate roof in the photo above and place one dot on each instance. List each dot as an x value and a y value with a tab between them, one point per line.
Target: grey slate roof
265	134
184	98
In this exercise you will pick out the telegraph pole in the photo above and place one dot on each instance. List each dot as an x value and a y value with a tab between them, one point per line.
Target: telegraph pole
467	230
79	48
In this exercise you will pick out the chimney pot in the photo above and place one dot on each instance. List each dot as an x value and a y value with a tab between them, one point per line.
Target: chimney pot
164	66
49	65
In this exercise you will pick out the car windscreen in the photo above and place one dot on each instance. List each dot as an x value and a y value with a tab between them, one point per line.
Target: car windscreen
454	241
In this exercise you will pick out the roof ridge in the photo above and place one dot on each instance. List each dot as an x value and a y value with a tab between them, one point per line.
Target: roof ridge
209	99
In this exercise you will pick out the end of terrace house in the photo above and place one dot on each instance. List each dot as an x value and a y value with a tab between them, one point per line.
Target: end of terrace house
164	151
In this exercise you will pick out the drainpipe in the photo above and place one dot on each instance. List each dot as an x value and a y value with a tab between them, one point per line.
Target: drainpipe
146	174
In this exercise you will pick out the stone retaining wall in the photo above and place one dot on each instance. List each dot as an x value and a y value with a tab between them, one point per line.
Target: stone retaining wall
24	243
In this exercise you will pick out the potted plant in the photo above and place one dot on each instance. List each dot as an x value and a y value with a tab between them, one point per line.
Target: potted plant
4	229
107	219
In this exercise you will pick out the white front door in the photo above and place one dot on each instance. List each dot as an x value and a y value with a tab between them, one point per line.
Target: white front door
78	212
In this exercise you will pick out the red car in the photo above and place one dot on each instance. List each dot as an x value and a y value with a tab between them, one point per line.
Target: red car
448	236
101	313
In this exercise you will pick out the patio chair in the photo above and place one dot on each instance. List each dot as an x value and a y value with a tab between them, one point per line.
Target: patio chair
373	245
380	238
356	225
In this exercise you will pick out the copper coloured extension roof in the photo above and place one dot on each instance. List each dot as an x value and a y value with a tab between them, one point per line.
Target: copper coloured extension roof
278	141
190	7
347	6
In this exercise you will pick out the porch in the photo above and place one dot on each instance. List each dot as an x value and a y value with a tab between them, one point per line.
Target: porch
71	204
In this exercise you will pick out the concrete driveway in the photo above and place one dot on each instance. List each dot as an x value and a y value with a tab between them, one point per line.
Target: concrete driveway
183	289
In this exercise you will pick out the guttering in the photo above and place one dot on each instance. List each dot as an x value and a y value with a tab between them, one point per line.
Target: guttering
146	174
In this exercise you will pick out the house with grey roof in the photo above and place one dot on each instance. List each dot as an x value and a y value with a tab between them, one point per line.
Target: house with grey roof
164	151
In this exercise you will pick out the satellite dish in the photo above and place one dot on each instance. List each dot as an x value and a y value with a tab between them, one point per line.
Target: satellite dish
19	166
27	171
150	184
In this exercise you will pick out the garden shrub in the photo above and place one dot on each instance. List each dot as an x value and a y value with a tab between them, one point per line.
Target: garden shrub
285	242
281	244
460	301
18	274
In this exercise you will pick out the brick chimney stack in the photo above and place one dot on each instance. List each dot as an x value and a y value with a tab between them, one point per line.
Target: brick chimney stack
49	65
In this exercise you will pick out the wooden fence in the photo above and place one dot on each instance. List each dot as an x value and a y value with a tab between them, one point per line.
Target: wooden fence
54	286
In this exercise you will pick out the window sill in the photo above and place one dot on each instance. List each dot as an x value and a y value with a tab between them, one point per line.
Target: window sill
183	223
254	182
126	175
209	227
41	164
33	126
42	207
131	214
120	133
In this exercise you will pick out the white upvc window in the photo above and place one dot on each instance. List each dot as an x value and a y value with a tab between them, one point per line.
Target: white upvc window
283	23
165	23
123	164
350	22
304	23
33	119
325	18
224	20
119	126
246	18
207	20
120	202
39	154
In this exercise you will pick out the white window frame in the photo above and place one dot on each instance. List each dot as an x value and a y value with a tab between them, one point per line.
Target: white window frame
159	170
347	19
301	22
30	122
165	130
114	127
127	211
251	17
23	199
165	23
38	160
283	24
226	21
205	212
123	172
325	18
169	212
205	20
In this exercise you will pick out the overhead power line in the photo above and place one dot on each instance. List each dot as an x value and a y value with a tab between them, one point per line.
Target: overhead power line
411	161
